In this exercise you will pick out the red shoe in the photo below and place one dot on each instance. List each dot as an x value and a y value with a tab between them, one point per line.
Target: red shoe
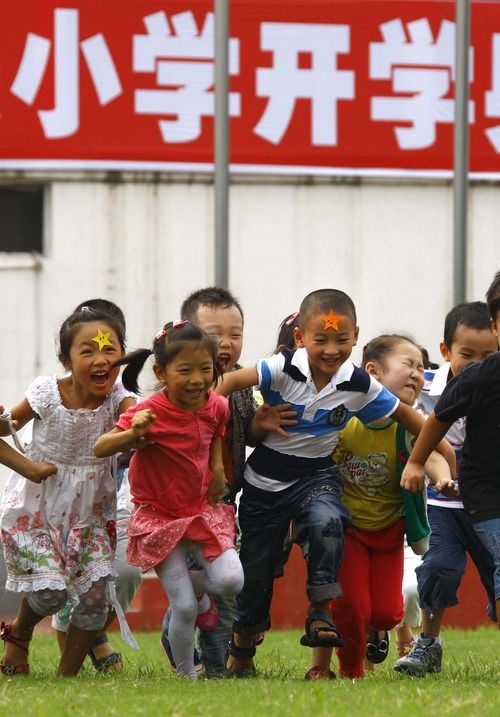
319	673
7	636
208	620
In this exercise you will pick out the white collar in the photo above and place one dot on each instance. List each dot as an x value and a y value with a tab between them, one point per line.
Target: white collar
301	361
440	380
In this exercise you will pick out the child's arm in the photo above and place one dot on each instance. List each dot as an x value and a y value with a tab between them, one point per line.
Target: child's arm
429	437
414	422
218	482
35	472
438	472
237	380
20	415
117	441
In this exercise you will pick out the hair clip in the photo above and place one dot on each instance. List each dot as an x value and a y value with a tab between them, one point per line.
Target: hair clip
160	334
86	308
292	318
179	323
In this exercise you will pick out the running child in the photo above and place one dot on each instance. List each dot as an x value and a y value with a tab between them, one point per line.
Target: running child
177	477
217	312
467	338
294	477
370	459
58	537
128	577
475	395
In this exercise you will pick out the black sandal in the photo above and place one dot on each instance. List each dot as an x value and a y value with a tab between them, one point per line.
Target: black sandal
312	637
241	653
104	664
378	649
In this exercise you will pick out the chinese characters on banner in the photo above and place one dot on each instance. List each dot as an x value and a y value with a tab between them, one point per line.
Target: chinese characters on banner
350	86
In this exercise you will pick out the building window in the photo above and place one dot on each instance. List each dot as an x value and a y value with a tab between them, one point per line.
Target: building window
21	218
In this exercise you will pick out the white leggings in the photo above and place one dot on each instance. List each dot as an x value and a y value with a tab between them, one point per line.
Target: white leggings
223	576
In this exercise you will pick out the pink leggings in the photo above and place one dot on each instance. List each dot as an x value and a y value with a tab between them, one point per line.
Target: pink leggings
371	576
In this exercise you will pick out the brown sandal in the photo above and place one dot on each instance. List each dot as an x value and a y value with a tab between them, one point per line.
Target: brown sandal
7	636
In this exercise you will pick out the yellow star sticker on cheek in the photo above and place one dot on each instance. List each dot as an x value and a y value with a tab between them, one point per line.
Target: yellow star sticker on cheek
102	339
331	320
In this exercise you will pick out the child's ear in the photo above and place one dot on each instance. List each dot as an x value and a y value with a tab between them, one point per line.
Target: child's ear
373	369
356	335
299	342
159	373
445	351
66	363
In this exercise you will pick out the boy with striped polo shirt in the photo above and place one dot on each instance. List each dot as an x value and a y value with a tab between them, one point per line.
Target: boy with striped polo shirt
294	477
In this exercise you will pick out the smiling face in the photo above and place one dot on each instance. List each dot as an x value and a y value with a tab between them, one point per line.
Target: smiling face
401	371
327	348
187	377
225	325
90	361
469	345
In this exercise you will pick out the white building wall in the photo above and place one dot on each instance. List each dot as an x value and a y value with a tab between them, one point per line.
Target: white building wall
146	242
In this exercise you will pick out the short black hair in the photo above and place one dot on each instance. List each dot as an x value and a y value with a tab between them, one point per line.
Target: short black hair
324	300
212	296
493	296
473	314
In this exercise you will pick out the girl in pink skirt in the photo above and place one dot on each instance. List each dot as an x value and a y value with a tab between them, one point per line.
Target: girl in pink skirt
176	477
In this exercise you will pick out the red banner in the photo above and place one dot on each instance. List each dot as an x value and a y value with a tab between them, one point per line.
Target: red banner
344	87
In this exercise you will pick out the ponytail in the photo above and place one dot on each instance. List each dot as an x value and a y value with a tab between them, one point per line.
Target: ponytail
134	363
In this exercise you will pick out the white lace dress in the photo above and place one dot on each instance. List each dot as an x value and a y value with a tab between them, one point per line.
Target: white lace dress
60	534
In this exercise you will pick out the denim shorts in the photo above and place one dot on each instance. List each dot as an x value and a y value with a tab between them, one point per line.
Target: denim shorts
489	533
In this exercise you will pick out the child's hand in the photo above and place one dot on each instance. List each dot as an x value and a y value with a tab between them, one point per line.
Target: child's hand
141	423
41	471
272	418
216	487
413	477
448	487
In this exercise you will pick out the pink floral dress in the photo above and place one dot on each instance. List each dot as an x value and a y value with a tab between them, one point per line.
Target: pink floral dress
60	534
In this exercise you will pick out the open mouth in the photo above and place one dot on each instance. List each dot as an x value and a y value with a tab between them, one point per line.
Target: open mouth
224	360
100	378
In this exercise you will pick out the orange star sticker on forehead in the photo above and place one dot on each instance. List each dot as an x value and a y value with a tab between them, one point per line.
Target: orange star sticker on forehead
331	320
102	339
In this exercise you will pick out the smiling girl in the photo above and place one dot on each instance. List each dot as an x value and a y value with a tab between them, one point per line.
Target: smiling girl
58	537
176	478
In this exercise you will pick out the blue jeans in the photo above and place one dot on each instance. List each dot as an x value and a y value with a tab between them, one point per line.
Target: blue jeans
314	503
489	534
443	565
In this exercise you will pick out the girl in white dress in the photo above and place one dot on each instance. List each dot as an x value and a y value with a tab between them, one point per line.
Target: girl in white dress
58	537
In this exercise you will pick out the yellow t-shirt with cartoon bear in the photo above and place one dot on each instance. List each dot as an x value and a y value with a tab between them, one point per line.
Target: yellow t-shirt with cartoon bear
367	462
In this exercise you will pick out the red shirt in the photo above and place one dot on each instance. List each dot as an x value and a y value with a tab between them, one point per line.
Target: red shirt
173	473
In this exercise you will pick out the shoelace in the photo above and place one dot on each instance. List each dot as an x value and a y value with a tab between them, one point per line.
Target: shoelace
6	418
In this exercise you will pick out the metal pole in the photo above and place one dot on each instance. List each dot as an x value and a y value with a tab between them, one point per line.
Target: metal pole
221	143
461	149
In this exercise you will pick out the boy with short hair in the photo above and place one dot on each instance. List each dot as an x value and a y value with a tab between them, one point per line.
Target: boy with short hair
474	394
467	338
294	477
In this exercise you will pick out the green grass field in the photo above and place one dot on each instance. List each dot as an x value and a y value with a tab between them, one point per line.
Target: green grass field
468	685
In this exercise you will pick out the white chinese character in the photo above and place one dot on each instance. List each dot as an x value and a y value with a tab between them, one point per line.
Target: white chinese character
190	80
421	68
493	97
64	119
321	83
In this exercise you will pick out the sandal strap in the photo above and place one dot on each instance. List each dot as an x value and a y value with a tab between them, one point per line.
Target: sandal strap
100	640
7	636
324	617
242	653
